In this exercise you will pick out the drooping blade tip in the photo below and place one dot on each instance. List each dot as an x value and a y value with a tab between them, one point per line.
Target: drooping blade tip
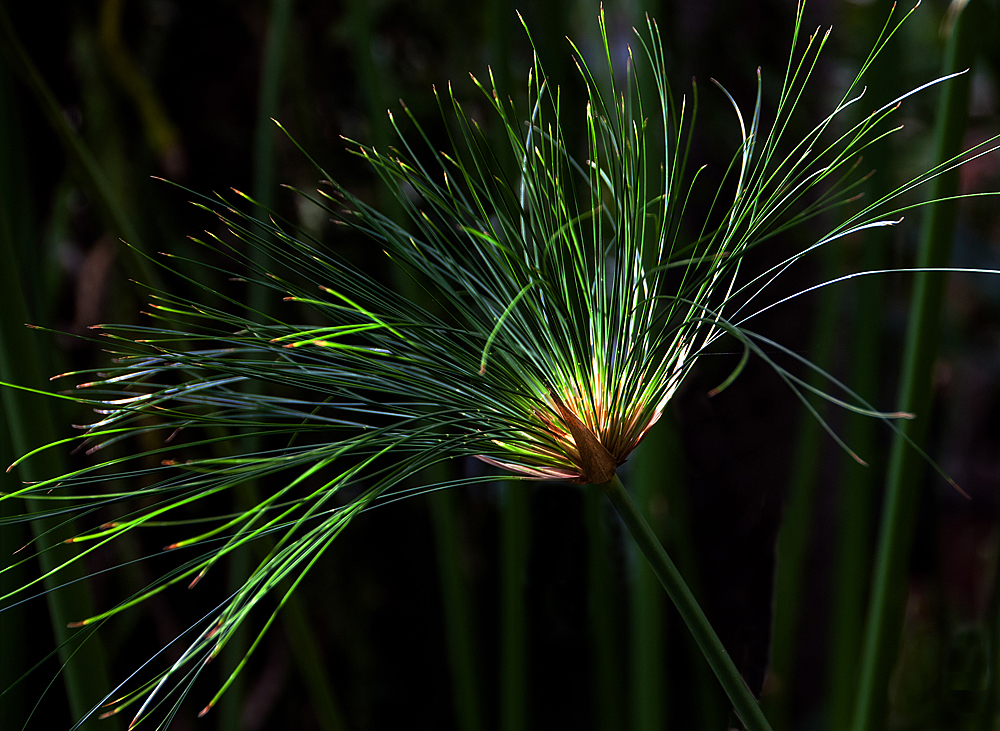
961	492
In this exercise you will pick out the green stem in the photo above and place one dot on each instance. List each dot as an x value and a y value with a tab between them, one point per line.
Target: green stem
708	642
230	711
12	619
258	300
705	702
886	606
88	171
294	614
514	510
606	663
515	516
647	679
265	133
991	704
857	486
30	423
311	665
457	610
797	522
373	88
456	595
499	21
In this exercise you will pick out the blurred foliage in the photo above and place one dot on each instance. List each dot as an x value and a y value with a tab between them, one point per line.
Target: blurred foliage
170	89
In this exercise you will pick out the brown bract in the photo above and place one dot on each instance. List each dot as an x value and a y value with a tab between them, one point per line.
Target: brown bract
596	463
576	440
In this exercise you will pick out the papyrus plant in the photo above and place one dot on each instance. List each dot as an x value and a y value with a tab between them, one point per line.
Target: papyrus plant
564	299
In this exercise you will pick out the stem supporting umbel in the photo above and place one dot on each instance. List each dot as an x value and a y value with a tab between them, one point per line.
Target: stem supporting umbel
743	701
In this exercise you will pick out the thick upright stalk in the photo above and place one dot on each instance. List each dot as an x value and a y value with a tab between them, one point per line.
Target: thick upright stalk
372	84
456	595
265	133
797	523
259	301
12	619
606	663
295	620
30	423
514	510
457	608
886	606
85	166
852	543
711	647
515	532
647	679
856	497
991	704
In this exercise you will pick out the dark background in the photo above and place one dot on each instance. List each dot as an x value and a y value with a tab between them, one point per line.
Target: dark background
374	601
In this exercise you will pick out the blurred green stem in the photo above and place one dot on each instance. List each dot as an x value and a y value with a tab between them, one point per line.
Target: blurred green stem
515	534
30	424
265	132
12	619
514	509
606	662
857	485
708	641
294	615
796	530
456	599
647	677
991	704
259	301
161	134
661	455
269	99
457	610
372	86
91	177
888	593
